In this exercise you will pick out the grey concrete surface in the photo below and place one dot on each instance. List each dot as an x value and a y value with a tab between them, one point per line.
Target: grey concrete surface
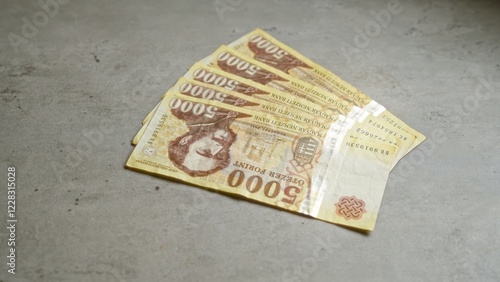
74	90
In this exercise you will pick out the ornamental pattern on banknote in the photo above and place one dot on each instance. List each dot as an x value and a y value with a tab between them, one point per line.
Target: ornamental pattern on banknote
350	207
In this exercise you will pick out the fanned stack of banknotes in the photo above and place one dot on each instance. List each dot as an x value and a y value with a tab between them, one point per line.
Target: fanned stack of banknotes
260	120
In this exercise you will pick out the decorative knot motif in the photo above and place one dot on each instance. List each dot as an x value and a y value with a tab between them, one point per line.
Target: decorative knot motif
350	207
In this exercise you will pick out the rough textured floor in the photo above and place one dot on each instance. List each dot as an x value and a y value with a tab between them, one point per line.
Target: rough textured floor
74	89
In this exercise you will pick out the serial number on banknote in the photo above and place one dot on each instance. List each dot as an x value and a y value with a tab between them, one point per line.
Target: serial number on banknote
368	148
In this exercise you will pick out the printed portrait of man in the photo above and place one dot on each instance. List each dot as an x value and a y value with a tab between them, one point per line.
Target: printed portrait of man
202	153
204	149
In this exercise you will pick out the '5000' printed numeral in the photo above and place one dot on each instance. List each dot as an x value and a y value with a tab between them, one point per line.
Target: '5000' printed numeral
254	183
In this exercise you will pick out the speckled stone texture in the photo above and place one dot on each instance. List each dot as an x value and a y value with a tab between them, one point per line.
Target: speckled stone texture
77	80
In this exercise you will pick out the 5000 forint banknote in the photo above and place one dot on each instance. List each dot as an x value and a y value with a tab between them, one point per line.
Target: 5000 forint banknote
262	157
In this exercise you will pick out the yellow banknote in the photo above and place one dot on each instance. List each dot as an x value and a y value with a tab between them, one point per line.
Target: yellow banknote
264	48
269	159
